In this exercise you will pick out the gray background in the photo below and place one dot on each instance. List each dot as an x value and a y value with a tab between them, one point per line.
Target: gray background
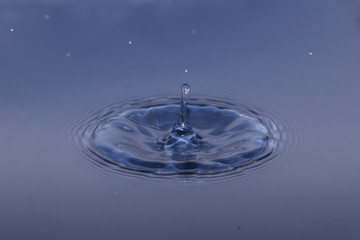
299	59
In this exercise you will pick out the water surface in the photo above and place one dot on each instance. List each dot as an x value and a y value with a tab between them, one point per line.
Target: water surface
297	60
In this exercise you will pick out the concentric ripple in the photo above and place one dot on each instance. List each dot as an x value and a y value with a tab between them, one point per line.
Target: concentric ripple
132	137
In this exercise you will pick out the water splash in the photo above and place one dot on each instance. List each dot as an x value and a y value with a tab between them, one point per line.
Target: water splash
183	140
183	119
201	136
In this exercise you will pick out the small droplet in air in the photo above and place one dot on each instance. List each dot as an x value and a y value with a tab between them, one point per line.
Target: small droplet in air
186	70
46	17
310	53
130	42
11	29
193	31
68	54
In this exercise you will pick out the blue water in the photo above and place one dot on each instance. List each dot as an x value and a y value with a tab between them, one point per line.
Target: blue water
298	61
164	135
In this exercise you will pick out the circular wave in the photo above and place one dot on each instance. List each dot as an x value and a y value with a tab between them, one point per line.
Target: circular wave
126	137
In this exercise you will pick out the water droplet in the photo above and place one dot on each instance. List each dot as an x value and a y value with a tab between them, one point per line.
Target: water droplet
68	54
46	17
186	70
130	42
12	29
310	53
185	89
